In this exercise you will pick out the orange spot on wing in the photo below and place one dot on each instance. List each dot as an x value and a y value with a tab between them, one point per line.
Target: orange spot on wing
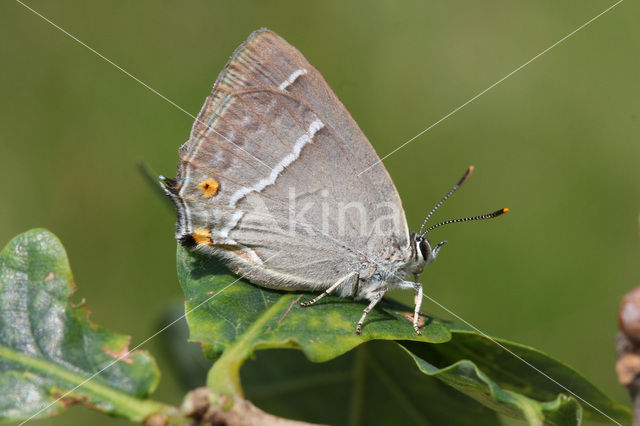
201	236
209	187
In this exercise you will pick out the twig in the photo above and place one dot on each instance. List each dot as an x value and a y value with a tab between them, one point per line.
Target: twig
628	349
209	409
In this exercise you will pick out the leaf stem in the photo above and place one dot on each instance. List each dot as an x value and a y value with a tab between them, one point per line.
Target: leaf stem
224	375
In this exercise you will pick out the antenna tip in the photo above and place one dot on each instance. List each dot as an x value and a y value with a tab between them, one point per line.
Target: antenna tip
497	213
466	175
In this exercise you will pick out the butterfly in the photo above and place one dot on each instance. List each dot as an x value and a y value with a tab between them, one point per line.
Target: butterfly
278	182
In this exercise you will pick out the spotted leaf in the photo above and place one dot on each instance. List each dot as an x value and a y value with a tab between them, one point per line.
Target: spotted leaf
51	355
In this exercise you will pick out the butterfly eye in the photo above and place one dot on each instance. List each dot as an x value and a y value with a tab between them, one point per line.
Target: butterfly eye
425	248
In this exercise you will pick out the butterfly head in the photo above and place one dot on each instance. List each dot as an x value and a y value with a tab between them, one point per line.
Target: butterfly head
423	251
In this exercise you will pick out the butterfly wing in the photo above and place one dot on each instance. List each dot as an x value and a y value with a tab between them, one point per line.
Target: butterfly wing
269	178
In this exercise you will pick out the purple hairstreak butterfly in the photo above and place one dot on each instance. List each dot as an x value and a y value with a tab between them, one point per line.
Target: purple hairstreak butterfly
271	183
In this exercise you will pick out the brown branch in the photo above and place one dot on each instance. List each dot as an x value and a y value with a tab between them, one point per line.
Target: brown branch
209	409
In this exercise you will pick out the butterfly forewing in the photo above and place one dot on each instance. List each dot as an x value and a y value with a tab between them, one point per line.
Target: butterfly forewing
269	177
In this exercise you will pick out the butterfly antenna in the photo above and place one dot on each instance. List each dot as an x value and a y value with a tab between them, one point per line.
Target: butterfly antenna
449	194
481	217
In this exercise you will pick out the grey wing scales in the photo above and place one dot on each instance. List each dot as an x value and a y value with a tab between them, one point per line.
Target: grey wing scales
269	179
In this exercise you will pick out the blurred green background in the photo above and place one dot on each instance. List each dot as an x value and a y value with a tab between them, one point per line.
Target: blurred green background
557	143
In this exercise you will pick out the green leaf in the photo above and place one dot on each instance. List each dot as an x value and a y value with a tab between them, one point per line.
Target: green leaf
511	366
232	318
48	346
466	377
376	383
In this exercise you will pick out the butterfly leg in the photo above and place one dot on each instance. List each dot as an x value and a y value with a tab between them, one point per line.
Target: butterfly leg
368	309
330	290
417	300
418	303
